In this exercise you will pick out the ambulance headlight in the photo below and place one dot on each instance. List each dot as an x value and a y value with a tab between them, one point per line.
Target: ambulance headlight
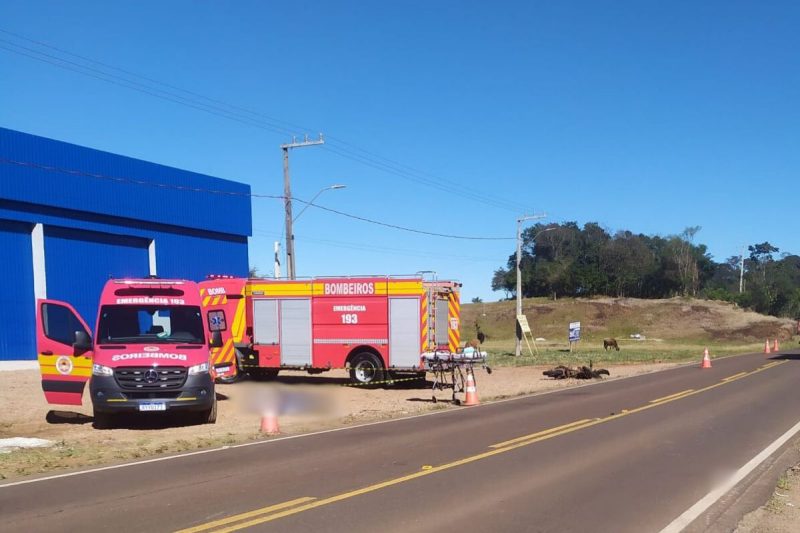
100	370
202	368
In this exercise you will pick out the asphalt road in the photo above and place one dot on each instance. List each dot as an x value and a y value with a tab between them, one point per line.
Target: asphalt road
624	455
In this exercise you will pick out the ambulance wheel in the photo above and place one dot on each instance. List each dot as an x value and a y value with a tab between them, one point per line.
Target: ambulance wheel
209	416
366	369
102	420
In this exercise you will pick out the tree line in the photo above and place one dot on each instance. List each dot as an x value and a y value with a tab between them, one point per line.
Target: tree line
568	260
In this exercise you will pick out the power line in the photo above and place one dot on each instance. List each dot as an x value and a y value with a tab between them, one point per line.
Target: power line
139	182
481	195
374	248
133	181
411	230
135	86
342	148
152	80
476	196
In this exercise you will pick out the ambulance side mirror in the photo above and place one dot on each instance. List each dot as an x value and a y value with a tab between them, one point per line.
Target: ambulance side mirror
216	339
82	342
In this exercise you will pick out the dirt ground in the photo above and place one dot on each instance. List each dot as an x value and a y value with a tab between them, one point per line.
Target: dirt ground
781	513
311	403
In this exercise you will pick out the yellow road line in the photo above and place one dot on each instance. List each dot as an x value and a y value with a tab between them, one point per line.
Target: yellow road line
770	365
245	516
545	432
671	396
740	374
536	437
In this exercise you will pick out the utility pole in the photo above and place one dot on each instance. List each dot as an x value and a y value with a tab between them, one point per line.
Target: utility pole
287	195
520	220
741	272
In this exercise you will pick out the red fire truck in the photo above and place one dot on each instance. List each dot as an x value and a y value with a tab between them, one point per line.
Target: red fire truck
372	325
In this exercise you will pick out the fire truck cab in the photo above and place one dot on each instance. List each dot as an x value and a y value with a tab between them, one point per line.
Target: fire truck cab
370	325
149	352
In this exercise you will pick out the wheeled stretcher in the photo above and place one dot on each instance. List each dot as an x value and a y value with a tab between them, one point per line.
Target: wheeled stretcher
450	369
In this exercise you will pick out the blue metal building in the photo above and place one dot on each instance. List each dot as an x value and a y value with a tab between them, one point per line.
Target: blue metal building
71	217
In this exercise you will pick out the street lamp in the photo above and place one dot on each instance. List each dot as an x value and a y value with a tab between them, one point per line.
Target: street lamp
292	261
518	347
329	188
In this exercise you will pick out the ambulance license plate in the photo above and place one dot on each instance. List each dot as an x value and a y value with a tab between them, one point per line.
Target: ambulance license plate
222	369
154	406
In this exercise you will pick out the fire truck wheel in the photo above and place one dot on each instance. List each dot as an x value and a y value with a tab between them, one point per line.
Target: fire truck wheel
263	374
366	368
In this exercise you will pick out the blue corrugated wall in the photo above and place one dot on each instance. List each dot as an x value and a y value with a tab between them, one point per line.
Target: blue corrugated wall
80	262
17	310
75	177
96	227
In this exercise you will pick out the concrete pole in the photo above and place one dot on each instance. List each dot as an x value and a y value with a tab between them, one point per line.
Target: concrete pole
287	194
517	331
287	199
741	272
517	327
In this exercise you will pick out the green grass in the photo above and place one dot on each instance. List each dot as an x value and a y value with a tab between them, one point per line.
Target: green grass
501	353
675	330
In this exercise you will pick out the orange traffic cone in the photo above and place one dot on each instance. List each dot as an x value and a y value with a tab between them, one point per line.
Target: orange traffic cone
766	346
706	360
269	423
471	391
776	347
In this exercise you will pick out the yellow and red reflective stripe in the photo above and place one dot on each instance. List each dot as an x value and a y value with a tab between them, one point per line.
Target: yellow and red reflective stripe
423	329
454	310
81	366
237	327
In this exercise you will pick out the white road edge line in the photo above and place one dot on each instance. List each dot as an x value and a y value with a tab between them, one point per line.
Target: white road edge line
334	430
711	498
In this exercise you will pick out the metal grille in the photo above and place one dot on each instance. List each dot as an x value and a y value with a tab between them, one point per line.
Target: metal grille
150	378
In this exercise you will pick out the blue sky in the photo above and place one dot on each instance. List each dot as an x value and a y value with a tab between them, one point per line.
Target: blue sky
642	115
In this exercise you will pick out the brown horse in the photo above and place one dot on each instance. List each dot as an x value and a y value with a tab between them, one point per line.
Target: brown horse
610	343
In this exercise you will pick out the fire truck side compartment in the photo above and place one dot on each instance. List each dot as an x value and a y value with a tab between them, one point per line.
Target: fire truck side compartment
404	332
265	321
295	332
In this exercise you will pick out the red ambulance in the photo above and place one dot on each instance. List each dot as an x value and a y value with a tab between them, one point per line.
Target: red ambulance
375	326
149	352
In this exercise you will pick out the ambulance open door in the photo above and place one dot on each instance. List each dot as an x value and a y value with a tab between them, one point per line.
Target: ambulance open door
64	345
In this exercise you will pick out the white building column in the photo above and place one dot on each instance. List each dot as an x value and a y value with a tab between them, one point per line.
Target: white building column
39	270
151	255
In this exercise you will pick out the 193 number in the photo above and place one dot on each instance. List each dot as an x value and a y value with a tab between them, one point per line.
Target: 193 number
350	319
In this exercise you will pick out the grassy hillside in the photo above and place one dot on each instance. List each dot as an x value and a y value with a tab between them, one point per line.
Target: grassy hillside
676	328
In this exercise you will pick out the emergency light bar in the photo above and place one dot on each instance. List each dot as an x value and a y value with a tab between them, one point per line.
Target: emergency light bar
145	282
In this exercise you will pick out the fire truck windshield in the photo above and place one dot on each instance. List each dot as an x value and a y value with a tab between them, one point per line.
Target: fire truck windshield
150	324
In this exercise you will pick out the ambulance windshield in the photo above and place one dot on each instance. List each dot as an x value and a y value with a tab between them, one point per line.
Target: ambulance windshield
150	324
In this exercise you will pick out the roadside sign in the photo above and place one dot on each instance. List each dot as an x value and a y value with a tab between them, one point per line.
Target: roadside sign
574	331
525	329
